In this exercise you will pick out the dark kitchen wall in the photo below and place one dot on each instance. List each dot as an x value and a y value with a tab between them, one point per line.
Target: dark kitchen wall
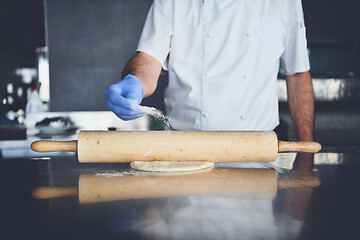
332	20
89	43
333	37
21	32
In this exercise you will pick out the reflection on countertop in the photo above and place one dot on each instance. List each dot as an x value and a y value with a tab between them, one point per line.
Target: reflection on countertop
295	197
104	186
211	198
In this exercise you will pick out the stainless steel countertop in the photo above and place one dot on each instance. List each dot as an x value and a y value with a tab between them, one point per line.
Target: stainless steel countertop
291	198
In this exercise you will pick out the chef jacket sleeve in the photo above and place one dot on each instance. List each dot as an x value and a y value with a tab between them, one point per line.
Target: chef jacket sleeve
295	57
155	39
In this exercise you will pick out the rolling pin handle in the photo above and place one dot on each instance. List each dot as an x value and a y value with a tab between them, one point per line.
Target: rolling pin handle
307	147
54	192
54	146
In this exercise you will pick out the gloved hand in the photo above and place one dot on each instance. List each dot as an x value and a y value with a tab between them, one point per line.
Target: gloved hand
124	97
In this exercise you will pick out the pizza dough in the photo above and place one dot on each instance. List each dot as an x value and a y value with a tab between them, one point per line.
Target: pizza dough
163	166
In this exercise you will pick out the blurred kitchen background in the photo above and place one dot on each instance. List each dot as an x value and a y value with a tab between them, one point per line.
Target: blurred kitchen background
67	52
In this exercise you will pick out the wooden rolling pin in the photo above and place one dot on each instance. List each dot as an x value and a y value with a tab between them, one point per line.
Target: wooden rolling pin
230	182
216	146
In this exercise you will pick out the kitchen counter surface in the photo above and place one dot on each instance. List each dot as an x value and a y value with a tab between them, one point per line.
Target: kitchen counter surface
300	196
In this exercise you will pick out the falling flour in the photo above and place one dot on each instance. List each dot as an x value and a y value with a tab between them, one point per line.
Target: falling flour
155	113
158	115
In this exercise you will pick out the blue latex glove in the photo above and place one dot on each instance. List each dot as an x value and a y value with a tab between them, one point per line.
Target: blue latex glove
124	97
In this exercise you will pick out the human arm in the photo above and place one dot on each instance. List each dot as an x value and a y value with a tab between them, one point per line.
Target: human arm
147	69
297	198
143	70
301	103
140	77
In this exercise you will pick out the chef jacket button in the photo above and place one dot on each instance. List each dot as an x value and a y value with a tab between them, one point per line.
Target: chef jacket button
209	35
205	115
207	74
248	34
245	76
242	117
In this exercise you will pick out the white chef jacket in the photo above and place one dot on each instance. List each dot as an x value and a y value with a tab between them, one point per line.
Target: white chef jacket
216	218
223	58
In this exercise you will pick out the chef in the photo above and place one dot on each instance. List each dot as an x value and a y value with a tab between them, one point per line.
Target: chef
222	58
